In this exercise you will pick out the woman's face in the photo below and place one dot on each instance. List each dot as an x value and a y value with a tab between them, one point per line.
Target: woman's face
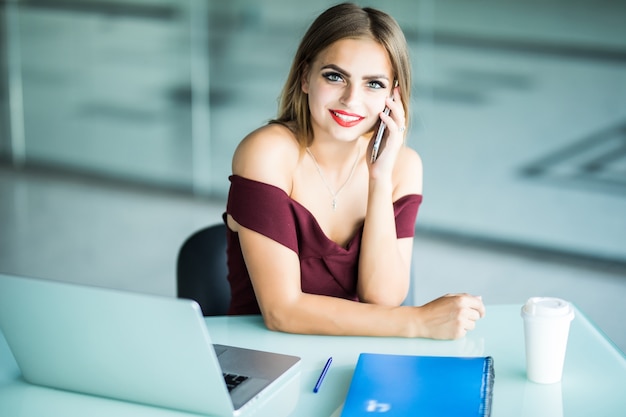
347	85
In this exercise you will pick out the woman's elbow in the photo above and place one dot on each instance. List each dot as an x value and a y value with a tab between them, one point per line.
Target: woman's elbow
272	322
277	319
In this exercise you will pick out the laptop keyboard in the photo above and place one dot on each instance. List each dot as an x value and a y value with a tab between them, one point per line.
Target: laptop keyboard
233	380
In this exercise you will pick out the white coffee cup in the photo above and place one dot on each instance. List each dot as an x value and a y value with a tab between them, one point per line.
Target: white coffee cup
546	330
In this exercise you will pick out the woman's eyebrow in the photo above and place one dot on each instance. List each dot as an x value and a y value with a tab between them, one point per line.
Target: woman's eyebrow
347	74
336	68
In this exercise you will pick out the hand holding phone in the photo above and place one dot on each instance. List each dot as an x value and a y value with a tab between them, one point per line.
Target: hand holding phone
381	130
379	137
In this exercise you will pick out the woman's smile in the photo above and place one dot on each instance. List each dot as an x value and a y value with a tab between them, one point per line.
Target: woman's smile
346	119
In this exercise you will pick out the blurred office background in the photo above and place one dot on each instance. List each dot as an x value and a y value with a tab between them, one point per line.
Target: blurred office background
118	120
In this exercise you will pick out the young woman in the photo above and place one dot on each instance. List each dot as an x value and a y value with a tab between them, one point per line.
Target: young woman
320	235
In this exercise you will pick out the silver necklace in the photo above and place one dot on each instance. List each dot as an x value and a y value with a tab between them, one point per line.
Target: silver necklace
335	194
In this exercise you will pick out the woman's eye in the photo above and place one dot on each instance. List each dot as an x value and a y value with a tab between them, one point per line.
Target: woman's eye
377	85
333	76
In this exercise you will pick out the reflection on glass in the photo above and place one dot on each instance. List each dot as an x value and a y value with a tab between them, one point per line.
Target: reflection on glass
542	400
162	91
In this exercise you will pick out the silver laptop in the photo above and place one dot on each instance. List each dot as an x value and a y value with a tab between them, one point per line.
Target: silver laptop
135	347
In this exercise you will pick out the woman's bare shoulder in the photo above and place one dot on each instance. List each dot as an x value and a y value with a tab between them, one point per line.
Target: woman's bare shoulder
269	154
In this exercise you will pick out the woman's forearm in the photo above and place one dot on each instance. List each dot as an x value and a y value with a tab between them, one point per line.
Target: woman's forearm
318	314
448	317
384	264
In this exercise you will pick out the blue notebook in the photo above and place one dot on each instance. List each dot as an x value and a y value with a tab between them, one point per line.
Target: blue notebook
401	385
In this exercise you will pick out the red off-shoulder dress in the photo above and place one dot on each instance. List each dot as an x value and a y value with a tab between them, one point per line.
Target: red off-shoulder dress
326	268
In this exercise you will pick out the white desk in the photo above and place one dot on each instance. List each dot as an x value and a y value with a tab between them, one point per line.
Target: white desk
593	381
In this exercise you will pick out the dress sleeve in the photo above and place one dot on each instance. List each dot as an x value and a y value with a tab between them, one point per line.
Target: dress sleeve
264	208
405	210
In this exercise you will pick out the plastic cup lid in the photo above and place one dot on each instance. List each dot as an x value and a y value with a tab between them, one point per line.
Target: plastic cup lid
547	307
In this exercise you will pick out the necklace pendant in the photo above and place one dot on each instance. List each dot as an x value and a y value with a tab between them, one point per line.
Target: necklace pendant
330	190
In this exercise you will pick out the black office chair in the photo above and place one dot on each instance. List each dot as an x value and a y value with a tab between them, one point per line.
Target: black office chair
201	270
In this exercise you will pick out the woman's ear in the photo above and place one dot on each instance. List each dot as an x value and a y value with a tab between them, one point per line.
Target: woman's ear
304	81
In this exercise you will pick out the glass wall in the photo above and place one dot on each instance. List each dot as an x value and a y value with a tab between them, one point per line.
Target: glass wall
523	111
4	94
519	109
106	87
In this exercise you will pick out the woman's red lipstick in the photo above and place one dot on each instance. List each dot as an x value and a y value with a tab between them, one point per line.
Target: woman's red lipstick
345	119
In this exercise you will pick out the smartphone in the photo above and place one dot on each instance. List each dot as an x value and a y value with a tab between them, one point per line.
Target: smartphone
379	137
381	130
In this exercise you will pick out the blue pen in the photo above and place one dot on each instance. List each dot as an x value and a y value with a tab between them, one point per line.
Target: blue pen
322	375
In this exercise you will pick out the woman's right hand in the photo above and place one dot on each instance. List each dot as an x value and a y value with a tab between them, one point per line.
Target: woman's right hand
450	316
394	134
